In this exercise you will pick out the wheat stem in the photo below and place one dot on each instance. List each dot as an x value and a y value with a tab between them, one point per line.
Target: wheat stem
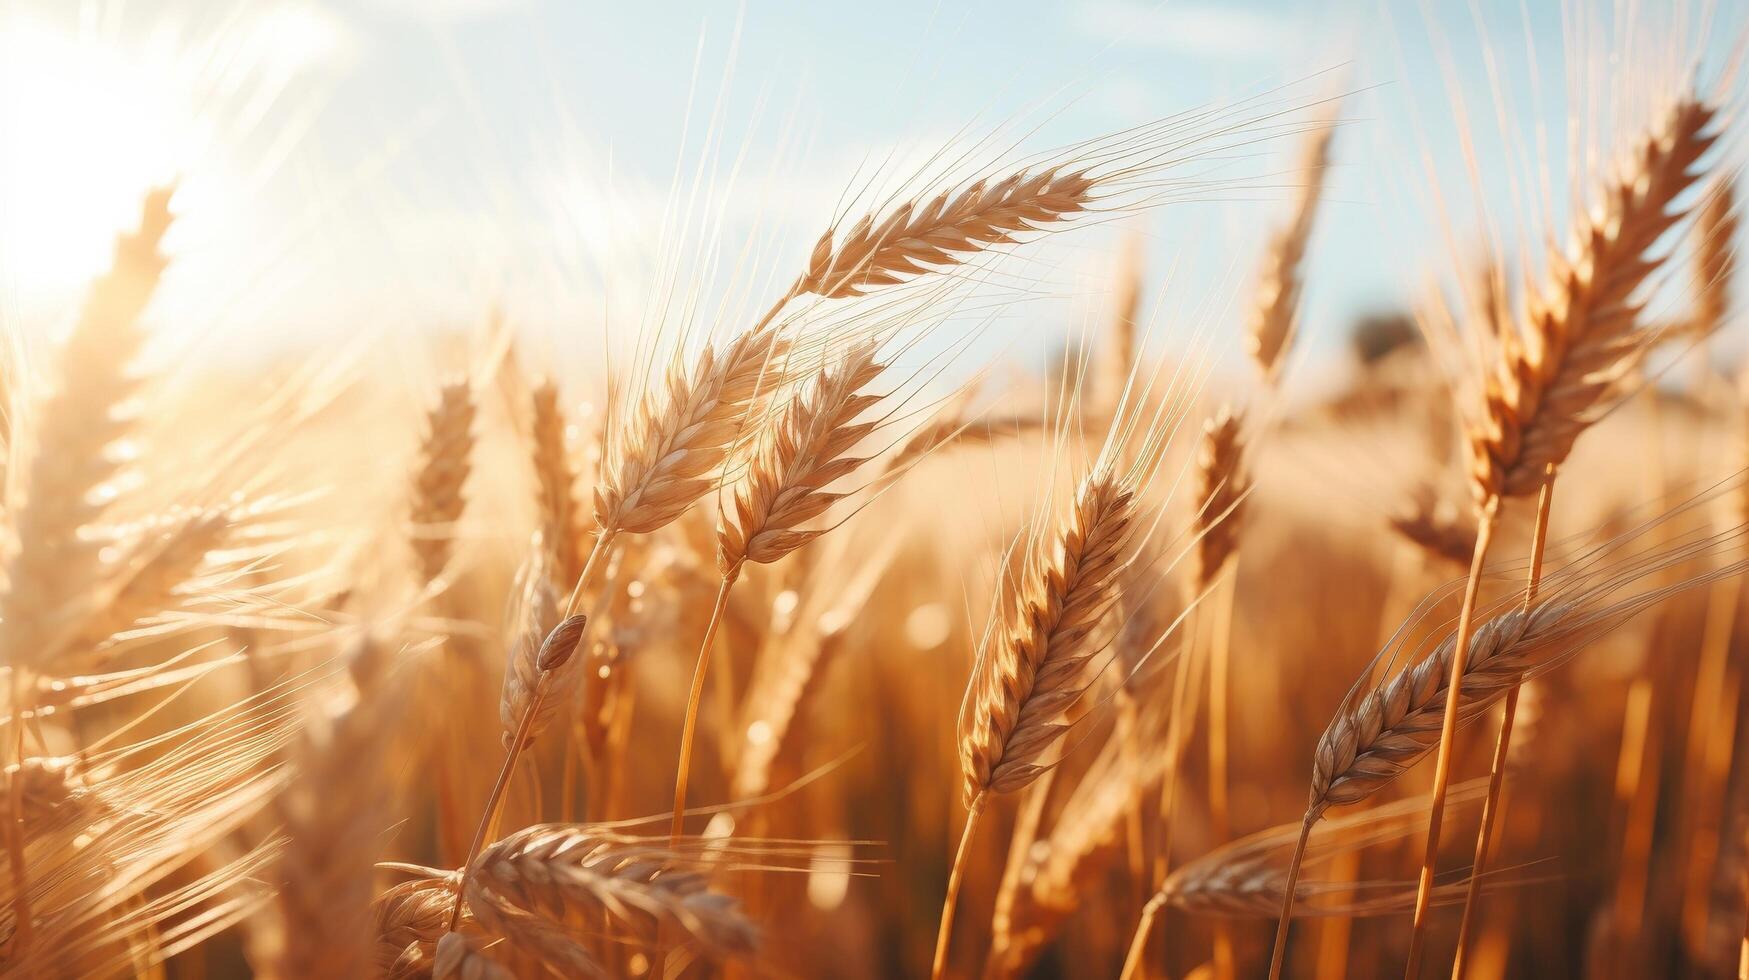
603	543
1132	961
695	698
1448	734
1503	742
955	876
1220	650
1278	955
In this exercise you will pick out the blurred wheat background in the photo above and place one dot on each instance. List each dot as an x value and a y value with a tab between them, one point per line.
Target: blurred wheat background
518	489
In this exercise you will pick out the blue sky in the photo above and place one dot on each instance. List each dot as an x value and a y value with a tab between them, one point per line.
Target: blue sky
412	162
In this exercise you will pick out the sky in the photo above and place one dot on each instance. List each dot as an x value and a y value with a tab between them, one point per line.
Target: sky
399	166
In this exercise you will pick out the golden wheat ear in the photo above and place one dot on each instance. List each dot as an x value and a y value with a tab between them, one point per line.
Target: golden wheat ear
1583	334
1276	301
445	463
51	563
917	238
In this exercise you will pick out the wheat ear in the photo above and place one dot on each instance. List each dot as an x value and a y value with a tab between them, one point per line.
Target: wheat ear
1220	520
805	452
413	915
444	465
1276	301
459	957
561	521
677	442
567	877
1582	338
1024	681
157	569
51	562
1716	258
1438	529
917	238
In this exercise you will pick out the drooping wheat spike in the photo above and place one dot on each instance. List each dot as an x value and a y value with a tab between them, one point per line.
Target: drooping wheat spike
1030	675
679	438
1220	463
1247	878
159	567
1276	301
445	462
918	238
412	914
799	457
334	816
569	876
1582	332
51	563
1441	530
1716	258
1379	733
459	957
556	486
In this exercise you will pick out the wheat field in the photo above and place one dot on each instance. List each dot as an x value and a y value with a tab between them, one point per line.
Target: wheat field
880	601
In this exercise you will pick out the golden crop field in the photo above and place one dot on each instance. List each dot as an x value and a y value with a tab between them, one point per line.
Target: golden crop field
1008	575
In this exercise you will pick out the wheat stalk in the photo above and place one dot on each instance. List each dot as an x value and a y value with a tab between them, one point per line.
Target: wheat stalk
1716	258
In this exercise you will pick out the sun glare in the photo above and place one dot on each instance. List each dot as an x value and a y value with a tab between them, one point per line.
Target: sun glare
90	119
